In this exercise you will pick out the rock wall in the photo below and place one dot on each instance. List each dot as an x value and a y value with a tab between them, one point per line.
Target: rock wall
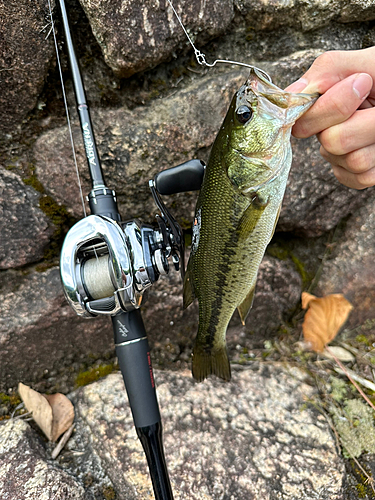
167	112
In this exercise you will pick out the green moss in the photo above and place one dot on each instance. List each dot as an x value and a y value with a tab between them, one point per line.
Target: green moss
362	485
278	252
109	493
361	490
62	220
355	426
12	399
362	339
57	213
93	374
282	251
154	94
33	181
339	388
250	33
300	268
185	223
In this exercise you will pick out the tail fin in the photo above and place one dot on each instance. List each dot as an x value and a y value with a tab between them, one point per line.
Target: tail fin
215	362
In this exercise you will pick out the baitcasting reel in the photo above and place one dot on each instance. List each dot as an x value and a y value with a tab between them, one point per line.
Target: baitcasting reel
106	265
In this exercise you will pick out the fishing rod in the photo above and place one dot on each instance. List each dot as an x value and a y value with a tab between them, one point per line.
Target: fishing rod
107	264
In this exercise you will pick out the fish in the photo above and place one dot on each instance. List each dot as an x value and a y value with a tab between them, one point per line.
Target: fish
237	211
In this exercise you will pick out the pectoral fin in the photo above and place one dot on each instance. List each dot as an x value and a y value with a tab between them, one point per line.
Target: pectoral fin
250	218
245	305
188	295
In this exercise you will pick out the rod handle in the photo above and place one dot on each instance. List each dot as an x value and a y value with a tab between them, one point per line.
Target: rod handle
152	442
134	359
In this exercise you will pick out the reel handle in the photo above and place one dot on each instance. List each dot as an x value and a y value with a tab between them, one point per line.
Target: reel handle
187	176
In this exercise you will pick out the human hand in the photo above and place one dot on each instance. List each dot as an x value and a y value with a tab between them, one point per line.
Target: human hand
343	118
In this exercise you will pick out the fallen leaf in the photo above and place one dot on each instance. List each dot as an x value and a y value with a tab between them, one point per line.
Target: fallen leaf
306	299
338	352
62	413
54	414
39	406
324	318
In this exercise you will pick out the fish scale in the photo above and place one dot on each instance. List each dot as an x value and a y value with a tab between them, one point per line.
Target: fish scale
236	213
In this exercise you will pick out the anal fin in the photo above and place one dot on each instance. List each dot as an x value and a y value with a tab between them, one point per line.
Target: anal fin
188	295
246	304
214	362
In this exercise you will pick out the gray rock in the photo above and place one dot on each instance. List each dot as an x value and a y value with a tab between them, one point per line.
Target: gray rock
350	269
357	10
25	230
138	35
314	200
25	472
278	289
247	439
137	144
305	16
25	56
35	320
40	336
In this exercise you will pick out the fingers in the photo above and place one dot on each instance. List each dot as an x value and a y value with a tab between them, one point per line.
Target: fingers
344	116
355	169
357	132
332	67
360	181
335	106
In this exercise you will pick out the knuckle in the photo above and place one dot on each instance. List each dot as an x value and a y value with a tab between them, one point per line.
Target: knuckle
363	181
358	162
326	59
301	130
329	142
366	179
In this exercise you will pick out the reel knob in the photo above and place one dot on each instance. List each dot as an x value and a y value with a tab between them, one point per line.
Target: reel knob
160	261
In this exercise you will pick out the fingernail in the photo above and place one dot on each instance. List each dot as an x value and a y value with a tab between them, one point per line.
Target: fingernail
362	85
297	86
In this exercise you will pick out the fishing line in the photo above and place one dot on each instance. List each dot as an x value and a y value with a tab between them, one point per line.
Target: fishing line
66	109
201	57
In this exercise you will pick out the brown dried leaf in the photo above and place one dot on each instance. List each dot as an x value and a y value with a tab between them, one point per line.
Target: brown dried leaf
324	318
62	412
306	299
39	406
54	414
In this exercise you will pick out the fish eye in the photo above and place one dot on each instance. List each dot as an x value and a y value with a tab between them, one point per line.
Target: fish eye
244	113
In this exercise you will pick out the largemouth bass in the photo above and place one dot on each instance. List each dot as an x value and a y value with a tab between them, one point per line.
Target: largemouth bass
237	211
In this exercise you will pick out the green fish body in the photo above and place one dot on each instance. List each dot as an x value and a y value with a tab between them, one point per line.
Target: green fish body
237	211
